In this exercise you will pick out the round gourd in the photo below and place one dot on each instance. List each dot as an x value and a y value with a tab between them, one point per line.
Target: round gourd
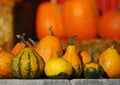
27	63
58	68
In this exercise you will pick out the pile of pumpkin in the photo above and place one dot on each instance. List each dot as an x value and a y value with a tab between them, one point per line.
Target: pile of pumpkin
47	59
81	17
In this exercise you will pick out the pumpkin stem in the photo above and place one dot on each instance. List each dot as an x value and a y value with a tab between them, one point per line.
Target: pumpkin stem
33	42
119	7
53	1
51	32
72	39
92	56
21	37
58	54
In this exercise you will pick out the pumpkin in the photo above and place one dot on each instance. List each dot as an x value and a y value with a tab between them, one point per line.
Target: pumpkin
93	4
110	61
5	59
85	56
58	68
72	56
93	70
78	18
109	25
20	45
27	63
48	46
48	14
65	20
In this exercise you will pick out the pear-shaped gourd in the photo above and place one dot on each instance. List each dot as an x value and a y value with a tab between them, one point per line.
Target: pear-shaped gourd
72	56
92	69
27	63
110	61
48	46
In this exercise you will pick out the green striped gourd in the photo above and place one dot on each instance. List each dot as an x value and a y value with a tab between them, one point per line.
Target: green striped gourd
27	63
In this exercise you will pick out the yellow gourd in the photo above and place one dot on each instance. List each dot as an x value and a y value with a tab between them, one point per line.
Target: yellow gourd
72	56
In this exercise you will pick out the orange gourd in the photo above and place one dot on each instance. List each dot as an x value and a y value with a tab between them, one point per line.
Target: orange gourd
48	46
110	61
72	56
86	57
20	45
5	59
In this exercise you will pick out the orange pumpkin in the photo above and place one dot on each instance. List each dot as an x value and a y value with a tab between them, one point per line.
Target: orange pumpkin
66	19
109	25
49	14
5	59
48	46
78	18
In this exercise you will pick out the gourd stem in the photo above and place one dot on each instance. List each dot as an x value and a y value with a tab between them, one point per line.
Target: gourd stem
72	39
51	32
58	54
92	56
21	37
33	42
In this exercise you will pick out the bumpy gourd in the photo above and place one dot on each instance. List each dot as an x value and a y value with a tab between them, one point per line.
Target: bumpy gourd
72	56
92	70
27	63
58	68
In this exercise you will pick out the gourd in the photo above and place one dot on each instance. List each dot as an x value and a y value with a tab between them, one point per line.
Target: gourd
110	61
5	59
48	46
72	56
27	63
86	56
20	45
93	70
58	68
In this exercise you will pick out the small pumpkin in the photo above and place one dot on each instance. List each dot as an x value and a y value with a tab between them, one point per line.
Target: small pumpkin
93	70
58	68
48	46
27	63
72	56
110	61
20	45
5	59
